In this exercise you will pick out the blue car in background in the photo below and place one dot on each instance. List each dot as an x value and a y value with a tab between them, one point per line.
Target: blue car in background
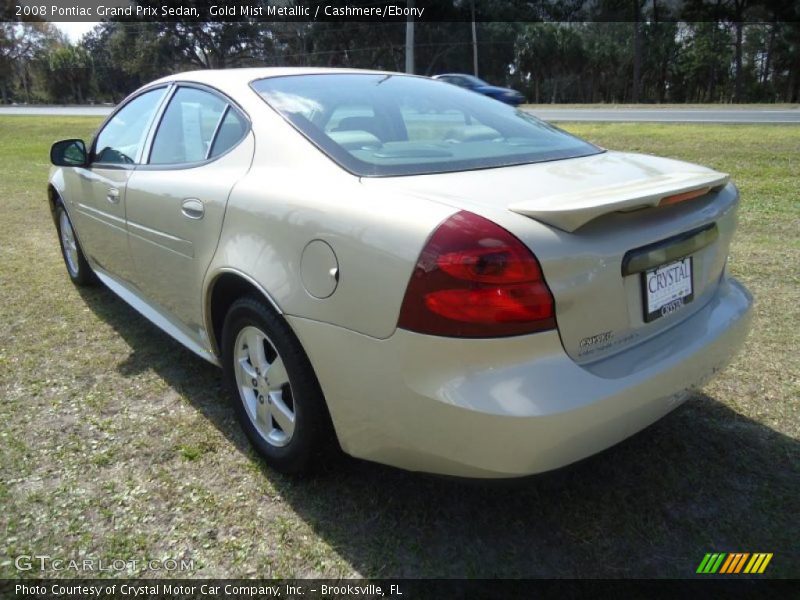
475	84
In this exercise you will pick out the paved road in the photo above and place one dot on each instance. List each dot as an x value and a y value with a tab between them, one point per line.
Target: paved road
71	111
667	115
670	115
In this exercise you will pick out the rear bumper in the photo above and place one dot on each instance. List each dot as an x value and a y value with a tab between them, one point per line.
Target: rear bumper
514	406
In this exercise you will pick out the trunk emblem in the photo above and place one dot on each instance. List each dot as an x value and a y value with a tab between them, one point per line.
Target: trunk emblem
594	340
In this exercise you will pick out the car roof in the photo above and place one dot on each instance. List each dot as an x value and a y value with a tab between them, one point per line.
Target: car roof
230	79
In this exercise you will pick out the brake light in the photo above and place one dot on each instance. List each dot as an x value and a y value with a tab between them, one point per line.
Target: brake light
475	279
676	198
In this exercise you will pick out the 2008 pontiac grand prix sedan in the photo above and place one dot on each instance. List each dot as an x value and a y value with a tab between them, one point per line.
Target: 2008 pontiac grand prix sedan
436	280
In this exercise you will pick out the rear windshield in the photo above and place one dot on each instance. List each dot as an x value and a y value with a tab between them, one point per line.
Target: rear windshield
379	125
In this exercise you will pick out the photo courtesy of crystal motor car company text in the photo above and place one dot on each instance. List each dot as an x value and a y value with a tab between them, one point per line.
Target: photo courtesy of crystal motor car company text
431	278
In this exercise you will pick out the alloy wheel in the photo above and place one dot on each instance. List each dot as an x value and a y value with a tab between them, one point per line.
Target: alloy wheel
264	386
69	244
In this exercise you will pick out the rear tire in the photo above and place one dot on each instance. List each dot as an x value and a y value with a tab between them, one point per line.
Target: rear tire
78	268
275	392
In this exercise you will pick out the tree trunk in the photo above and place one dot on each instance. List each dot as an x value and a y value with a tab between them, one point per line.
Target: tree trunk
738	90
712	87
637	53
768	59
794	87
26	87
662	71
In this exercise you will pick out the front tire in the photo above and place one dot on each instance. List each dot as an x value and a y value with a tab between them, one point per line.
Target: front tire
276	395
78	268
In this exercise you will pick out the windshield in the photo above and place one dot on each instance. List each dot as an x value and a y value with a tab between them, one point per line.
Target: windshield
380	125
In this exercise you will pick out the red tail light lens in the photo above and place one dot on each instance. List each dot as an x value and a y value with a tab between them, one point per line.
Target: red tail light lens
475	279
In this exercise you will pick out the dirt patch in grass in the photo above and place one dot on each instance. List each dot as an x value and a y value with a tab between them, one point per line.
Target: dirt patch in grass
118	443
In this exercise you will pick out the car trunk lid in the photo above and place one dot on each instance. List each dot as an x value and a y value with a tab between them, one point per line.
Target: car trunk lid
597	229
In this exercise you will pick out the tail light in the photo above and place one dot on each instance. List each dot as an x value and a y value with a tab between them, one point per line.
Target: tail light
475	279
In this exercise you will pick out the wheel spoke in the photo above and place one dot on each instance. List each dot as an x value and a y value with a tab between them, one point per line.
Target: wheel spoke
248	371
276	375
282	414
255	350
263	419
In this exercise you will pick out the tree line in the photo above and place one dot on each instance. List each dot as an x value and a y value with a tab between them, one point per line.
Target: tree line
712	51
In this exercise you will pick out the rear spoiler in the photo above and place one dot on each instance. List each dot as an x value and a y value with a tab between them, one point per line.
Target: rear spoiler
571	211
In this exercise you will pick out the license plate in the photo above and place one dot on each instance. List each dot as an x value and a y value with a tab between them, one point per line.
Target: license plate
667	288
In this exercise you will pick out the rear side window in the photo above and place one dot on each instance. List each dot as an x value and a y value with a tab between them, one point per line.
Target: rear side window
232	129
193	127
121	140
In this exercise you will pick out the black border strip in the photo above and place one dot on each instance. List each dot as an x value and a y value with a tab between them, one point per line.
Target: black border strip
712	586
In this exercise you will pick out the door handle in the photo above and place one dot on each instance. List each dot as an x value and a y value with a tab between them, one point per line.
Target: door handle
192	208
112	195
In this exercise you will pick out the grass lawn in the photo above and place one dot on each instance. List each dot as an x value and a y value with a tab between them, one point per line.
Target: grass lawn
118	444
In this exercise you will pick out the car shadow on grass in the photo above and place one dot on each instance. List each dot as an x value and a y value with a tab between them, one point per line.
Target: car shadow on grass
703	479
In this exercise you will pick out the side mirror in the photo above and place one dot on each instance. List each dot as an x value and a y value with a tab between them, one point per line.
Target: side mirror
69	153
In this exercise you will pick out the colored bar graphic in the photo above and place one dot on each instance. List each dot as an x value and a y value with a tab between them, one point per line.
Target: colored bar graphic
734	560
711	562
753	564
728	563
703	563
731	563
765	563
718	563
741	562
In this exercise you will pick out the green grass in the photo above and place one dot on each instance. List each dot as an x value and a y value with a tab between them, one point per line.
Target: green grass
117	443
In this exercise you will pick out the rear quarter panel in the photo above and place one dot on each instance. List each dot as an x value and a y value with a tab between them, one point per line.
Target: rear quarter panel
294	194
